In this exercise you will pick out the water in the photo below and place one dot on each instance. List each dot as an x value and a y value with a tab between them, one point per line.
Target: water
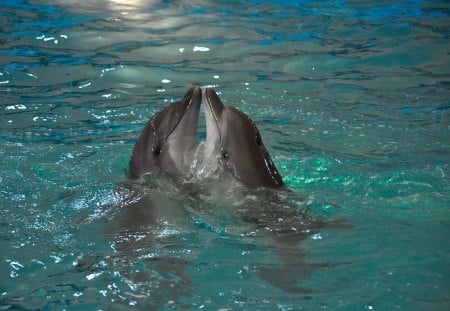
351	99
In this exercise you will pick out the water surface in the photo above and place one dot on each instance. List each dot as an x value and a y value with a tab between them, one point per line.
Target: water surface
351	99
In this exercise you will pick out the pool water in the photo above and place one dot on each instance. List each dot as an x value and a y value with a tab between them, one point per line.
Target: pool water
352	101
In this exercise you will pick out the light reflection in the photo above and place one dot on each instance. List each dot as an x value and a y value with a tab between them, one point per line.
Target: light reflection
126	5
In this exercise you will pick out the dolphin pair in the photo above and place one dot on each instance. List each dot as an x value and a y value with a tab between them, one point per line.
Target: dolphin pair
168	142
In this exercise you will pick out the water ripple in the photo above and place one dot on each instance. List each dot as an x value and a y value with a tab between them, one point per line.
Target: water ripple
351	99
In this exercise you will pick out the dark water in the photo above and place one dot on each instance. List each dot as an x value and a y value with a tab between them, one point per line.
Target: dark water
351	98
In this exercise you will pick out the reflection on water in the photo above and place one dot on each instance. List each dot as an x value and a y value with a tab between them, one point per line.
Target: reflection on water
351	100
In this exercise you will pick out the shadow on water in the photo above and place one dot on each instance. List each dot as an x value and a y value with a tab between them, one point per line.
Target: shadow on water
161	226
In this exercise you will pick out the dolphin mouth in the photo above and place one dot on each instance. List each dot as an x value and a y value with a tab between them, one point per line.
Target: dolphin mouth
213	104
213	112
190	109
193	97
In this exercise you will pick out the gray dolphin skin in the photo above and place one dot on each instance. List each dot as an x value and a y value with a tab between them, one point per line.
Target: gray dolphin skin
169	140
168	143
233	138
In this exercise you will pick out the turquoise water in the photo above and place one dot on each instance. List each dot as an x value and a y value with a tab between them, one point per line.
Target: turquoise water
351	99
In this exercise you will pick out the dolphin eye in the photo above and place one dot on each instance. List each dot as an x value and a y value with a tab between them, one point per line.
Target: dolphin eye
224	154
156	150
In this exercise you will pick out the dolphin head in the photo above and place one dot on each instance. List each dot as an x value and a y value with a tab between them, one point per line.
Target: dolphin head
233	138
169	139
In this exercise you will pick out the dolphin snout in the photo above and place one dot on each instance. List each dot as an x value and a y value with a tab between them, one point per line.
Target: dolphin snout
212	103
196	95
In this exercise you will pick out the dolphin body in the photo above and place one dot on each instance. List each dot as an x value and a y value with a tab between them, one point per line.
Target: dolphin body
166	211
168	143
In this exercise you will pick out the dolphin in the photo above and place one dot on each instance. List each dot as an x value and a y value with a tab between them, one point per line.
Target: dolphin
233	139
169	140
168	143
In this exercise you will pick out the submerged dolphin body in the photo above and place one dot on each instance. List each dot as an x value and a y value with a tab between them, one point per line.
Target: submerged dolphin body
234	140
169	140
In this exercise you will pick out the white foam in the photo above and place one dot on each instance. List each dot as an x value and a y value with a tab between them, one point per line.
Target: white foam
200	49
